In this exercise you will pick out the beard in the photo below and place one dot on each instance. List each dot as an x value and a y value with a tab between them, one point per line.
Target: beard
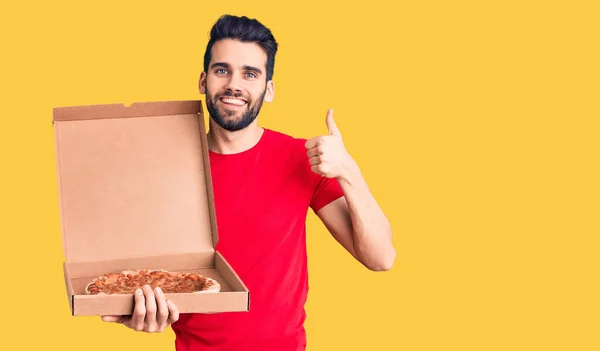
227	118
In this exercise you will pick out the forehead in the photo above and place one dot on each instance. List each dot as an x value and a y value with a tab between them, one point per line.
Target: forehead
238	54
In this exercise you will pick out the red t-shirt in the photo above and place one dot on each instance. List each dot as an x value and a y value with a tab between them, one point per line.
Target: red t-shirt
262	198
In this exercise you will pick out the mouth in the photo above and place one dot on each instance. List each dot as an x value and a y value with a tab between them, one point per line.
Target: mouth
231	101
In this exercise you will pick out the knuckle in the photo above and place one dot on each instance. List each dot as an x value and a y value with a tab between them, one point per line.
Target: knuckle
139	314
173	317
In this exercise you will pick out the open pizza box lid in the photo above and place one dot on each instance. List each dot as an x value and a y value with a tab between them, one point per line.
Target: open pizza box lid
135	191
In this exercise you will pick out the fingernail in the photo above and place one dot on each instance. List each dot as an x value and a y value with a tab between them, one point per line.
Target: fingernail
158	290
138	291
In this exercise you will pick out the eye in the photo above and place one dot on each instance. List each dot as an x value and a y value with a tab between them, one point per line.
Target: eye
221	71
251	75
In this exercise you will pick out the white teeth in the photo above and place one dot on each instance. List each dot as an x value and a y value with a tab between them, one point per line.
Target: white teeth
233	101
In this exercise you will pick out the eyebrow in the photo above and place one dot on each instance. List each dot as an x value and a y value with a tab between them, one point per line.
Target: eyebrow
251	68
220	64
228	66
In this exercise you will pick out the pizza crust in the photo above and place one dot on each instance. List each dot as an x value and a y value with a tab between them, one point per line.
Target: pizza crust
200	284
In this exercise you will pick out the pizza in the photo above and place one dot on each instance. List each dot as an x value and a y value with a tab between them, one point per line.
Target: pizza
128	281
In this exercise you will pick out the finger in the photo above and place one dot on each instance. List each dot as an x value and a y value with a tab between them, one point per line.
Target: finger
150	307
314	160
162	308
139	312
315	168
319	169
173	312
331	126
311	143
315	151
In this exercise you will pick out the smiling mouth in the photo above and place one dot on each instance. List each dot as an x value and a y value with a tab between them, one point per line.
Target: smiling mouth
232	101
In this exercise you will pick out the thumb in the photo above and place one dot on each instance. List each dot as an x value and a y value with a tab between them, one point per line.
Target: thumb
112	319
331	126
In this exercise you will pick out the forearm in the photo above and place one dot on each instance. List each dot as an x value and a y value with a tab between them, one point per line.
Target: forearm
372	238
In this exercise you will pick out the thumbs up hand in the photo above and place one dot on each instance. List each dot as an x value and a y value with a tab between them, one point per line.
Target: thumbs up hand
327	154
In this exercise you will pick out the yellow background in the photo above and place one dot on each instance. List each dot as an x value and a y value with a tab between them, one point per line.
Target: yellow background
474	122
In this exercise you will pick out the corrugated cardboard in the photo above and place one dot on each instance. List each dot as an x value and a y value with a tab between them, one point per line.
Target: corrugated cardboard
135	191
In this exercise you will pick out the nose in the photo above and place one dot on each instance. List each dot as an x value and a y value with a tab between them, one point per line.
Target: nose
233	83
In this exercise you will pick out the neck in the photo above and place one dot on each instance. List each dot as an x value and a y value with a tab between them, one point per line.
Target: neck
223	141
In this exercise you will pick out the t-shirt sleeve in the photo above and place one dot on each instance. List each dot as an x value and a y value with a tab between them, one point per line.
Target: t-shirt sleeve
326	190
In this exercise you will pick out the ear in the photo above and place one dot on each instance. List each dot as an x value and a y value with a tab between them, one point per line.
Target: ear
270	94
202	83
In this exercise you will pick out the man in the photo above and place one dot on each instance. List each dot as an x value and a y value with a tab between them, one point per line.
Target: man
264	184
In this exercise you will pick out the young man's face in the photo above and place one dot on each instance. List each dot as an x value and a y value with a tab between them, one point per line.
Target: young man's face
235	84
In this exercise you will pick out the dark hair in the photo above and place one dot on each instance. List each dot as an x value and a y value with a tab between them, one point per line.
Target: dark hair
246	30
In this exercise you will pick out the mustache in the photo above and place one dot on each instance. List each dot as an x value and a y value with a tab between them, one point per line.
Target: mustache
237	94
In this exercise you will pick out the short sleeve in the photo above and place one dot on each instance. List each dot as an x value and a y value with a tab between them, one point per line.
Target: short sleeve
326	190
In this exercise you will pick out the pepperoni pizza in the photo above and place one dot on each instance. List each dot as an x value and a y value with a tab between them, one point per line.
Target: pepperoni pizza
128	281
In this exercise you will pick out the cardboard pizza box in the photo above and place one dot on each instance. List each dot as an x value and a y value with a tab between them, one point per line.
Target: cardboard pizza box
135	191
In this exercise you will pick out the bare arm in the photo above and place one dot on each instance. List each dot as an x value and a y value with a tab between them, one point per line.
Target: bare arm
356	221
